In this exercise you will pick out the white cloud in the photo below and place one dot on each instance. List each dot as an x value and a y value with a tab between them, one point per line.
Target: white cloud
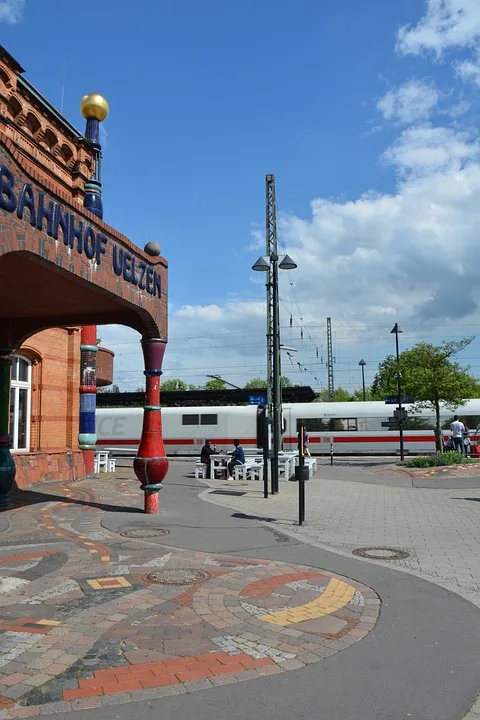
11	11
446	24
409	255
425	149
413	101
469	70
258	240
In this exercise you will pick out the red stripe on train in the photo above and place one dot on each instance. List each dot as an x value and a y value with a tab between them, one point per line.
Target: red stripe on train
178	441
366	439
289	440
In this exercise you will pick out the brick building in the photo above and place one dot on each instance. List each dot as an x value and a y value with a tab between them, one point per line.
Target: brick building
64	271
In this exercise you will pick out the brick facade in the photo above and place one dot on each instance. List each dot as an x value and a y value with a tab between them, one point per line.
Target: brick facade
104	367
51	279
54	453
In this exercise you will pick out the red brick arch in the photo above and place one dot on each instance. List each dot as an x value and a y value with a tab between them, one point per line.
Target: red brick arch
48	281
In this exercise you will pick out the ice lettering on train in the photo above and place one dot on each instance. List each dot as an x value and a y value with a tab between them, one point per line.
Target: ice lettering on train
118	429
110	426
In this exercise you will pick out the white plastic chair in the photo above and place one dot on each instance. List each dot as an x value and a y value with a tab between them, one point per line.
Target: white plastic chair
200	470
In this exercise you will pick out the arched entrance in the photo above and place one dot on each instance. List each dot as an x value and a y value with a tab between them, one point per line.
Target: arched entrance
61	265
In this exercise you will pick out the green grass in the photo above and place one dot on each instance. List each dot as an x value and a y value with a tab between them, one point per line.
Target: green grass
452	457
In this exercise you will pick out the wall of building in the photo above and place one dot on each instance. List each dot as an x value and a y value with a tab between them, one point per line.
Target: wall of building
54	453
104	367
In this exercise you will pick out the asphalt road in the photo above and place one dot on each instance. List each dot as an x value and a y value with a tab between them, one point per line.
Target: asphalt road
420	661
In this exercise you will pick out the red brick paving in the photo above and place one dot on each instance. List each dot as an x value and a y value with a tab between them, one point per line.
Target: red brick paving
169	672
265	586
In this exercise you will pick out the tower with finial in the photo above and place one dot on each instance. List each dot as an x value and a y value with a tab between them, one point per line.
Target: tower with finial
94	109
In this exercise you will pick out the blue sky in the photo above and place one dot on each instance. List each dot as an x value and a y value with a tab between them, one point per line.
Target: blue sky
365	112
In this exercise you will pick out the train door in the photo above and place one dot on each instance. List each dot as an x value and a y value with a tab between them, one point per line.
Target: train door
289	428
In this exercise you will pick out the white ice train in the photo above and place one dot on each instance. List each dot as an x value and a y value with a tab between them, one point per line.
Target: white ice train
357	428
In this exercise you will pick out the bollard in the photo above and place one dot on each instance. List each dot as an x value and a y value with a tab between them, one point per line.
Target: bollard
301	474
152	505
331	453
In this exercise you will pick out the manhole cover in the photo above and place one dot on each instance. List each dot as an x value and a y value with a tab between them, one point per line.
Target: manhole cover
177	576
381	553
144	532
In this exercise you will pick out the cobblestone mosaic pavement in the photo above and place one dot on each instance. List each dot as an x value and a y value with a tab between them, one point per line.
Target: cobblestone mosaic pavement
91	618
438	527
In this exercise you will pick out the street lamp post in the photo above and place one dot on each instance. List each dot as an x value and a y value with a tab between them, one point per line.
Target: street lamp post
362	364
272	264
396	330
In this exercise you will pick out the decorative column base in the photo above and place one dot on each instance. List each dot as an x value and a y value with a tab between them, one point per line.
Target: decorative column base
152	500
151	464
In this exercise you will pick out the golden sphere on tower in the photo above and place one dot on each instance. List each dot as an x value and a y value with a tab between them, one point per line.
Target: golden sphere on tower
94	106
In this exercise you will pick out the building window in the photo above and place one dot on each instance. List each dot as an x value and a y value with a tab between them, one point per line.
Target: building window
20	402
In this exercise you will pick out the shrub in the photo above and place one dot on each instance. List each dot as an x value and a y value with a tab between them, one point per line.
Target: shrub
452	457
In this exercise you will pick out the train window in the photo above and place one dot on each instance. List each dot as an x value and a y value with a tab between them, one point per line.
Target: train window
342	424
330	425
208	419
315	425
190	420
471	421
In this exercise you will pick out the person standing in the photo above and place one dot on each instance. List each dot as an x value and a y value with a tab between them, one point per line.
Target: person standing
457	428
466	439
238	458
306	442
205	454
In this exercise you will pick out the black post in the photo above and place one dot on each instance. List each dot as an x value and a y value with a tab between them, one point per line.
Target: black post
266	445
399	391
276	376
331	453
301	476
362	364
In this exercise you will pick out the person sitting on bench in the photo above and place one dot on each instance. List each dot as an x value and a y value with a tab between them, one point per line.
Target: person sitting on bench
238	458
205	453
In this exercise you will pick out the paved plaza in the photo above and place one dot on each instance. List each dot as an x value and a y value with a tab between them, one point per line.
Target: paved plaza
434	515
106	611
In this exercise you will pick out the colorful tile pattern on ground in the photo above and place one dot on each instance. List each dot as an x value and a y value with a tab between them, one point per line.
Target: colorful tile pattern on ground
89	618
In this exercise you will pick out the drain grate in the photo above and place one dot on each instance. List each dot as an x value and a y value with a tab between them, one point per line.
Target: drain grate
177	576
144	532
381	553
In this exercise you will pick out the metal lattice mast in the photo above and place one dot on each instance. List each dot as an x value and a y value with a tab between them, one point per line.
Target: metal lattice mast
331	384
271	249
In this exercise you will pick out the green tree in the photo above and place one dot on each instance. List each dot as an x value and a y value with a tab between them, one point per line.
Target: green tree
357	395
256	383
110	389
430	375
340	395
215	384
173	384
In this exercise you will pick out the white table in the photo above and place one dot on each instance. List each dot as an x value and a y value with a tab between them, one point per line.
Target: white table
286	464
220	462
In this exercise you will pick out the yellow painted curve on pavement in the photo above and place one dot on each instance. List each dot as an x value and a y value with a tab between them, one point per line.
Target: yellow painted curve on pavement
337	594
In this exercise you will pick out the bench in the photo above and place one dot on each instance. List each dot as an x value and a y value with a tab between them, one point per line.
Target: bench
251	464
